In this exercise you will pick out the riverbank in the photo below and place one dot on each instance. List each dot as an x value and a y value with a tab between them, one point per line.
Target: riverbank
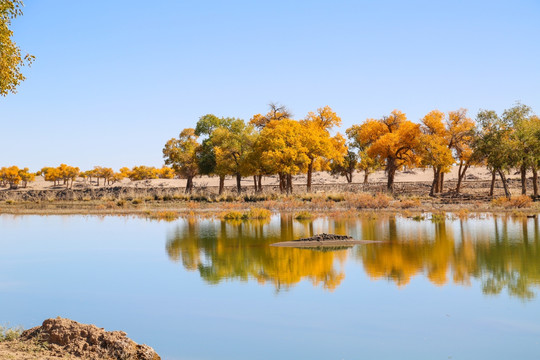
67	339
345	204
330	195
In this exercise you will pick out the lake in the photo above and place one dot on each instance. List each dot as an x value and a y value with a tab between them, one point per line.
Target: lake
210	289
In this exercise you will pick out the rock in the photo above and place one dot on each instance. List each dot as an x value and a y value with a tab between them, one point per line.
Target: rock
88	341
326	237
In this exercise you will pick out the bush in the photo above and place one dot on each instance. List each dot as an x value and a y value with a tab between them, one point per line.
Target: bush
8	334
336	197
232	215
381	201
521	201
164	215
252	214
436	217
257	213
303	215
409	203
362	201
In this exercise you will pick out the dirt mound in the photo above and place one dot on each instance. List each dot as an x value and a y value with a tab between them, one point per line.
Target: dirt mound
326	237
88	341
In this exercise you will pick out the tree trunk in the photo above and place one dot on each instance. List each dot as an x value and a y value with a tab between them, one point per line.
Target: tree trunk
523	172
366	176
505	185
282	182
189	184
309	174
255	182
391	169
492	187
221	184
461	175
259	180
349	176
239	183
535	181
441	180
435	183
289	184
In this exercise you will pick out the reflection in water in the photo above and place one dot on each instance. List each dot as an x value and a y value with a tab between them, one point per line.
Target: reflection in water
222	250
501	253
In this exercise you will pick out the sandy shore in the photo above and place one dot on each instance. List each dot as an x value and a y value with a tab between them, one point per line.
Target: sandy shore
319	178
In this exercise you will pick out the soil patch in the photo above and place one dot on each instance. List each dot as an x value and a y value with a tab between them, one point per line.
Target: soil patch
66	338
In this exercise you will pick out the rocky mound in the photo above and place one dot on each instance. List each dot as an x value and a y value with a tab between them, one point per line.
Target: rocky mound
87	341
326	237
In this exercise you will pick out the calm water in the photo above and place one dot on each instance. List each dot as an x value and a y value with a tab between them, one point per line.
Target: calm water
459	289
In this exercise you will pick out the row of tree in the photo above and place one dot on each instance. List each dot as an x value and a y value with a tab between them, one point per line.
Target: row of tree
276	144
269	144
65	175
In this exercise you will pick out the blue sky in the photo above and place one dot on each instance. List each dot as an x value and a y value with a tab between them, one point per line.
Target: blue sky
114	80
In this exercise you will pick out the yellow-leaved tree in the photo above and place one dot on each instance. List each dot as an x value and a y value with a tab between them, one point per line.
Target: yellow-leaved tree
277	112
282	148
393	140
11	59
435	150
322	148
460	129
181	154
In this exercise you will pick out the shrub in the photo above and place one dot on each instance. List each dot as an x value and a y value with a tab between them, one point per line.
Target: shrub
362	201
303	215
8	334
336	197
164	215
257	213
232	215
440	216
521	201
409	203
381	201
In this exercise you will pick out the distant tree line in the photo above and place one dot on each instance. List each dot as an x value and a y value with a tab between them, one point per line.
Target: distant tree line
276	144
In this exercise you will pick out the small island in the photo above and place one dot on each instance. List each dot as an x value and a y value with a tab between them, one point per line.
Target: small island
321	240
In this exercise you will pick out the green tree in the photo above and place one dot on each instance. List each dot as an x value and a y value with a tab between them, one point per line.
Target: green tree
182	155
11	59
346	166
227	128
524	142
494	144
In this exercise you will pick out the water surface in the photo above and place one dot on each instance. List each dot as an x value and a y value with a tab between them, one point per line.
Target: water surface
209	289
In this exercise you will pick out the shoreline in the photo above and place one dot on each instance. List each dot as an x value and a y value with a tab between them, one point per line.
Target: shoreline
321	206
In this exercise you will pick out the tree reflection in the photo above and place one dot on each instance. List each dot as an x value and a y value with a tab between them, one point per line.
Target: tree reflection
222	250
498	258
500	253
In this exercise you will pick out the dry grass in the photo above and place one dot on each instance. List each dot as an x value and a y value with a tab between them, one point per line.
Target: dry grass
251	214
304	215
519	202
163	215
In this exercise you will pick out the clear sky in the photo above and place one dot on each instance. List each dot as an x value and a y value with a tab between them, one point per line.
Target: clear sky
114	80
